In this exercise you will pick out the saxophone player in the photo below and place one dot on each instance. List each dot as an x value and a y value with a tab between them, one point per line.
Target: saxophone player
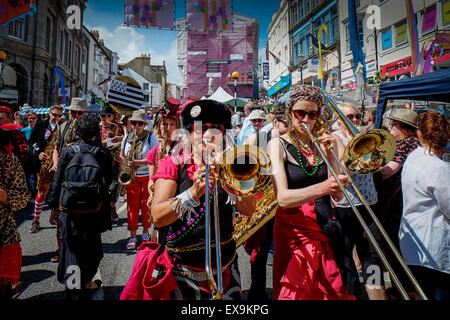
65	136
112	135
133	153
41	138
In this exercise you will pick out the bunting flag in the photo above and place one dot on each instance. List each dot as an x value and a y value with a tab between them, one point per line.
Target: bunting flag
414	36
277	60
411	105
209	15
13	9
355	41
150	13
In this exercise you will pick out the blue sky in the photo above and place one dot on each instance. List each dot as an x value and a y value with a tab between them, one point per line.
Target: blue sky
108	16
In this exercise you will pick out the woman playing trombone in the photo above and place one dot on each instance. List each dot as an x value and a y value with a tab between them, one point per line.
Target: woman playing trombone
310	261
179	205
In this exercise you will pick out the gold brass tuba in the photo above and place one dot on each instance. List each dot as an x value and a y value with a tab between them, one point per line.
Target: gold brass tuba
126	176
246	170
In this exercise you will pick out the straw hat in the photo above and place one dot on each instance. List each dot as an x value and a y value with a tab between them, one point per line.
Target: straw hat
139	115
78	104
406	116
257	114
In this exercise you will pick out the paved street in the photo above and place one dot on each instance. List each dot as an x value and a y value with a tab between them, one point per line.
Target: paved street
38	278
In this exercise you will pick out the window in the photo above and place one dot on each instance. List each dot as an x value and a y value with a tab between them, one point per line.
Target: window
300	9
16	29
213	68
446	12
146	86
294	14
61	45
358	4
300	43
146	97
77	60
66	48
48	32
70	55
401	32
307	7
386	37
347	38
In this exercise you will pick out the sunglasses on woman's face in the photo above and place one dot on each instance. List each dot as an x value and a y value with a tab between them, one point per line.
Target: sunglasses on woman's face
137	123
56	115
109	115
301	114
356	116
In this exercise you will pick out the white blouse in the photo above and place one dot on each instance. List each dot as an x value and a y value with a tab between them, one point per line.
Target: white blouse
425	226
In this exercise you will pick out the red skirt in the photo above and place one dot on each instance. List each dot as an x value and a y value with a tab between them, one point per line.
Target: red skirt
303	263
10	264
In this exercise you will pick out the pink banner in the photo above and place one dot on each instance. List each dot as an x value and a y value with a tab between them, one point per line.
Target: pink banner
150	13
429	21
209	15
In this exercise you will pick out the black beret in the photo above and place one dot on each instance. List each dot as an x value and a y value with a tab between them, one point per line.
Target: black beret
206	111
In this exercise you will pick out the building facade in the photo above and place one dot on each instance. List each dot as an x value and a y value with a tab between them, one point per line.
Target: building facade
280	45
306	16
35	45
388	48
151	78
209	58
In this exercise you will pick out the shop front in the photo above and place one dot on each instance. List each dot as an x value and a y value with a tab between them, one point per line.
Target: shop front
281	86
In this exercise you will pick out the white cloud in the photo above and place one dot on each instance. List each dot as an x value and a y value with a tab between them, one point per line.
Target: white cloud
129	43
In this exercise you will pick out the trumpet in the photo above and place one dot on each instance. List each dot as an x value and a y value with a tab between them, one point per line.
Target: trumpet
367	152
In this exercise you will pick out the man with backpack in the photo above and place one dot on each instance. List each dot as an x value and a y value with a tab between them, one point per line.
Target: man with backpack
65	136
80	194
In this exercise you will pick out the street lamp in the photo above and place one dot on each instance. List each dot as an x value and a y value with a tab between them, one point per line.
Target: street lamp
375	38
300	58
235	76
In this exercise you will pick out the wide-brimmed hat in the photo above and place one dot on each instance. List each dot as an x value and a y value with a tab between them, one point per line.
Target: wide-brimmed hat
257	114
406	116
78	104
139	115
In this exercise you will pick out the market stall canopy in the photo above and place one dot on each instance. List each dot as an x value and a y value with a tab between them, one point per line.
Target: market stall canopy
220	95
239	103
432	86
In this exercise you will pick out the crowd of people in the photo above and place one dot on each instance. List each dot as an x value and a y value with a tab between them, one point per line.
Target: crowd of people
82	163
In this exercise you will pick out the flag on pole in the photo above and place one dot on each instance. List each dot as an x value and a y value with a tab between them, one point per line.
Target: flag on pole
315	44
355	41
150	13
322	27
277	60
209	15
12	10
413	35
125	93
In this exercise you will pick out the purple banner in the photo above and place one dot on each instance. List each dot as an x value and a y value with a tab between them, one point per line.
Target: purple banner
209	15
150	13
429	21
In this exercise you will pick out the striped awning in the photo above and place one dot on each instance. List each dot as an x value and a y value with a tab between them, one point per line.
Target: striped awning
37	110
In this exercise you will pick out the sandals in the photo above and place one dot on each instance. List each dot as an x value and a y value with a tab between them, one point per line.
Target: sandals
131	245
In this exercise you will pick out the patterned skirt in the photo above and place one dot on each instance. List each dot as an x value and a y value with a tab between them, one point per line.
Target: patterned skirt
193	283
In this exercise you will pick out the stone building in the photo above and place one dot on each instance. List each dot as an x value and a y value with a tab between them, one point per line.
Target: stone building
34	46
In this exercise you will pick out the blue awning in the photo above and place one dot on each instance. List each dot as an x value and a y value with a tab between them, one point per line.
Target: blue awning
280	85
37	110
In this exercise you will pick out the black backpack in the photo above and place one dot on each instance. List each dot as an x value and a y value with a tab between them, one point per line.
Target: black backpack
84	183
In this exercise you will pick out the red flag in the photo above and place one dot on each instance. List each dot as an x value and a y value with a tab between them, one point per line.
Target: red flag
14	9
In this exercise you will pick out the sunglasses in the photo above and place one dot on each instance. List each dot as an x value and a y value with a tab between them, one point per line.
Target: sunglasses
109	115
79	113
32	118
353	116
56	115
257	120
300	114
137	123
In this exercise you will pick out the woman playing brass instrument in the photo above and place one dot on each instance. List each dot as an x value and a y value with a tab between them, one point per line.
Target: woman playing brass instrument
166	122
310	262
179	205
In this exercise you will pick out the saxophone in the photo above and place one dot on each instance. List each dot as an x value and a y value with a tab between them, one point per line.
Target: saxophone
69	135
126	176
45	177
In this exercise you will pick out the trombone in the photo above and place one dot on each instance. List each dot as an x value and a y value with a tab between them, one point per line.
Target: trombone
367	152
216	287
